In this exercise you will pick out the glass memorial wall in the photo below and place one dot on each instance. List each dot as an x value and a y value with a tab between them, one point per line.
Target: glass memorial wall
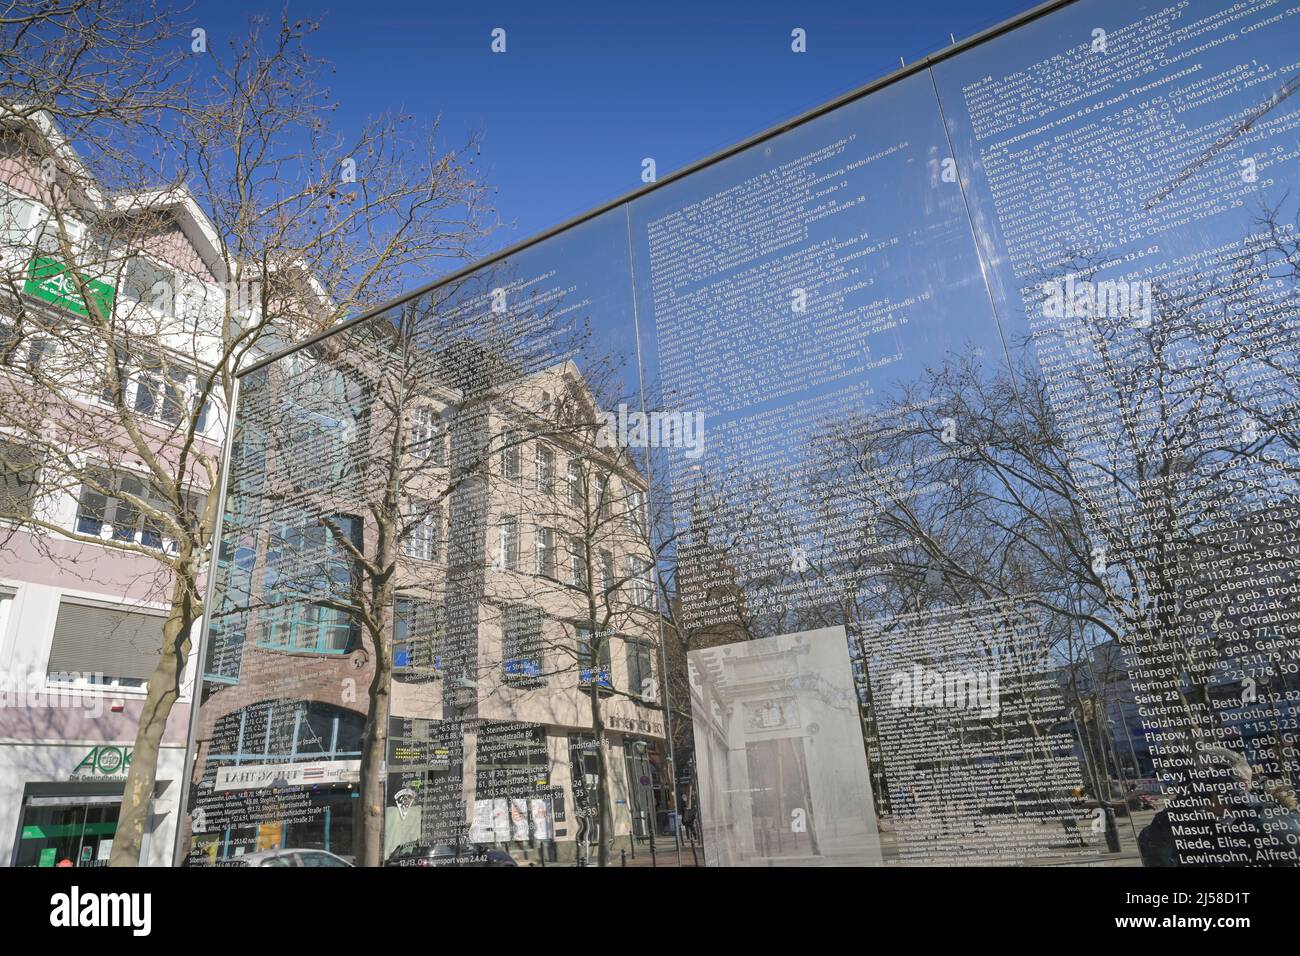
915	485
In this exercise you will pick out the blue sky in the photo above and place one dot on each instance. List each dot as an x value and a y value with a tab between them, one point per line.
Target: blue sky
587	89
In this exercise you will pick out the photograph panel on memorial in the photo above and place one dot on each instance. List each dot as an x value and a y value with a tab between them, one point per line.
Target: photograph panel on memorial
1131	170
781	770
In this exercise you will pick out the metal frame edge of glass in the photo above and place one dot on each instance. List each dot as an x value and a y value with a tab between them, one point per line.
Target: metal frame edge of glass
200	646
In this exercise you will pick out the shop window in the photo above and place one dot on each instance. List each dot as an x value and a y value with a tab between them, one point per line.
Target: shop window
67	831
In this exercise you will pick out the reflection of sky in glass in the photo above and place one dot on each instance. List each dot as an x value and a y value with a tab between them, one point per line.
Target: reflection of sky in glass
1190	143
893	287
858	213
1153	175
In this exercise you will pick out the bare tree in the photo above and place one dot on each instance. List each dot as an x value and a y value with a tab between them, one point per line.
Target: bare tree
99	68
272	225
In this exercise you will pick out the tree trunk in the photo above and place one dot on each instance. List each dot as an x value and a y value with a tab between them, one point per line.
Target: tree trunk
602	768
374	747
162	692
374	752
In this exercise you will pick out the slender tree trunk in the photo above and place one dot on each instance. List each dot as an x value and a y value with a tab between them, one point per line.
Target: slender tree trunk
373	754
602	768
162	692
374	748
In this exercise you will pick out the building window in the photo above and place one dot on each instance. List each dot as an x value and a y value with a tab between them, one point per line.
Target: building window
428	439
545	463
574	479
521	641
638	573
593	663
640	668
6	601
156	388
308	583
328	462
421	534
510	456
635	516
577	562
19	472
603	490
22	350
150	284
160	391
508	543
52	234
546	552
110	507
105	646
418	630
16	217
606	571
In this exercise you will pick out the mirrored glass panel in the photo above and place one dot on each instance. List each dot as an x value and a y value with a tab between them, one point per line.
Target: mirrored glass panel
1131	171
912	487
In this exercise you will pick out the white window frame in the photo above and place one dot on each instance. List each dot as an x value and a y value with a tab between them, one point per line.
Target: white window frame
544	465
634	517
640	589
577	561
573	477
423	526
186	381
428	436
109	524
507	538
545	549
512	453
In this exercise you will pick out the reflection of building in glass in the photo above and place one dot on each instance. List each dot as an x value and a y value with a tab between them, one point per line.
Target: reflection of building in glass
1109	728
522	585
779	753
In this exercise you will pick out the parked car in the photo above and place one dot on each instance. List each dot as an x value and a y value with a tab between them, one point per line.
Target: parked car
444	854
289	857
